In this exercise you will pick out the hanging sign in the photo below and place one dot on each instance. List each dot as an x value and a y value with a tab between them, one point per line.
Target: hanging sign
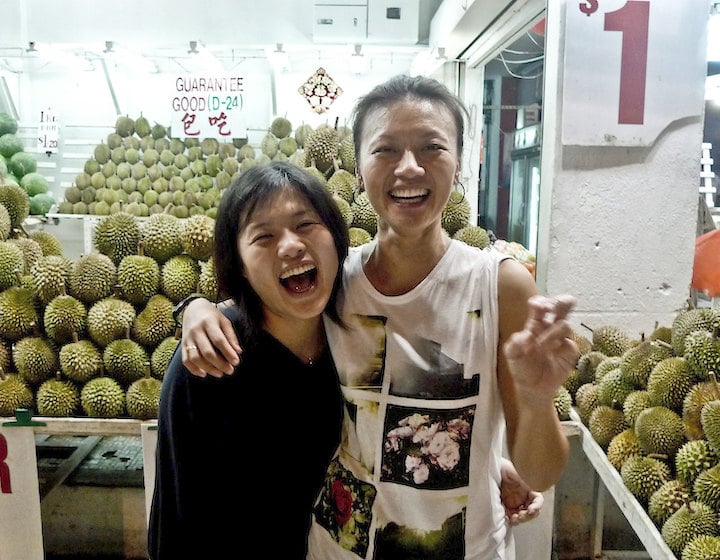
631	68
208	106
20	517
47	136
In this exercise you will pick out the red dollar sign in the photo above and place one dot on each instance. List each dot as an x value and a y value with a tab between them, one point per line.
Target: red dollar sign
590	7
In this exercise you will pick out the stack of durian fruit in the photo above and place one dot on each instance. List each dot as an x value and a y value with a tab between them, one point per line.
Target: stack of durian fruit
652	403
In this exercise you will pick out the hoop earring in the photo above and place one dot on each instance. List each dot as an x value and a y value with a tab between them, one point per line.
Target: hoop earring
462	189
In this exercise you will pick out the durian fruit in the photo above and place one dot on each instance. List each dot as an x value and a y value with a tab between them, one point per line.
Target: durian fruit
57	397
583	343
109	319
563	403
80	360
49	244
691	520
197	236
586	365
702	547
280	127
643	475
102	397
93	276
179	276
124	360
702	352
706	487
154	322
31	251
342	183
605	423
710	421
698	396
622	446
346	153
301	134
586	399
475	236
161	236
5	356
5	223
19	311
142	398
117	235
364	215
660	431
161	356
321	147
689	320
613	389
124	126
12	263
344	207
35	358
669	382
63	316
50	277
207	283
17	202
634	404
639	360
611	340
692	458
138	277
456	213
14	394
608	364
666	500
358	236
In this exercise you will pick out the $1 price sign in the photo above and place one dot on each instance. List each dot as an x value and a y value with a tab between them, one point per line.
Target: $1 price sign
631	68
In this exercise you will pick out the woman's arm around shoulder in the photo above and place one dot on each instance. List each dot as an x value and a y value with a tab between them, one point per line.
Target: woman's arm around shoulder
535	357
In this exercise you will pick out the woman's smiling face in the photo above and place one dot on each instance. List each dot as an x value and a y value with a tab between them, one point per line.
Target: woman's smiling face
289	256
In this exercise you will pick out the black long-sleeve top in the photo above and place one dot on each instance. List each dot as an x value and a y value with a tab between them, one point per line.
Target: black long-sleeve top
240	460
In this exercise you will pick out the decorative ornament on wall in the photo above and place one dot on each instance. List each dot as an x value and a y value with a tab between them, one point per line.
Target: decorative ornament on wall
320	90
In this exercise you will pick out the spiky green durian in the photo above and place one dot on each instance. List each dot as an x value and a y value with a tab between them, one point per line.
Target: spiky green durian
12	263
154	322
702	547
613	389
301	133
634	404
102	397
359	236
80	360
605	423
692	458
475	236
586	365
689	521
161	236
179	277
138	277
124	360
364	215
563	403
586	399
702	352
17	202
660	431
608	364
50	276
644	475
35	358
207	283
639	360
343	184
669	382
706	486
197	236
109	319
321	147
31	250
622	446
346	153
63	316
142	398
689	320
92	277
57	397
14	394
666	500
19	311
5	223
710	421
117	235
161	356
456	213
611	340
281	127
698	396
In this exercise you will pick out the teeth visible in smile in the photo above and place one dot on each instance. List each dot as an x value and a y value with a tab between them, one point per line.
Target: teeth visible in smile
296	271
409	193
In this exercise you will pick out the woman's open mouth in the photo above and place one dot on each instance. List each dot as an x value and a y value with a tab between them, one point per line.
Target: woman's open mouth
299	279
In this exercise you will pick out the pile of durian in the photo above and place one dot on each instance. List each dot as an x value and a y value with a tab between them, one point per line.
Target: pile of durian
92	336
653	405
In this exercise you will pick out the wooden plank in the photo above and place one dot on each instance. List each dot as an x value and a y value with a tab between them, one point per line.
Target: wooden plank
88	426
58	476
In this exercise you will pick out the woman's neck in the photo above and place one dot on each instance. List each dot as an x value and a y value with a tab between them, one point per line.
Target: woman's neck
303	337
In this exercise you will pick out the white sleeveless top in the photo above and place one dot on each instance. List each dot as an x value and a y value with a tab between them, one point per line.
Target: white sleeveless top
418	468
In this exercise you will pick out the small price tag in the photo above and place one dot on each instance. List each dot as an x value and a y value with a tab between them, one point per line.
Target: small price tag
47	136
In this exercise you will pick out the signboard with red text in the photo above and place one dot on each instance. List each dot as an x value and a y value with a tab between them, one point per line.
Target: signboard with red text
208	106
20	518
631	68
